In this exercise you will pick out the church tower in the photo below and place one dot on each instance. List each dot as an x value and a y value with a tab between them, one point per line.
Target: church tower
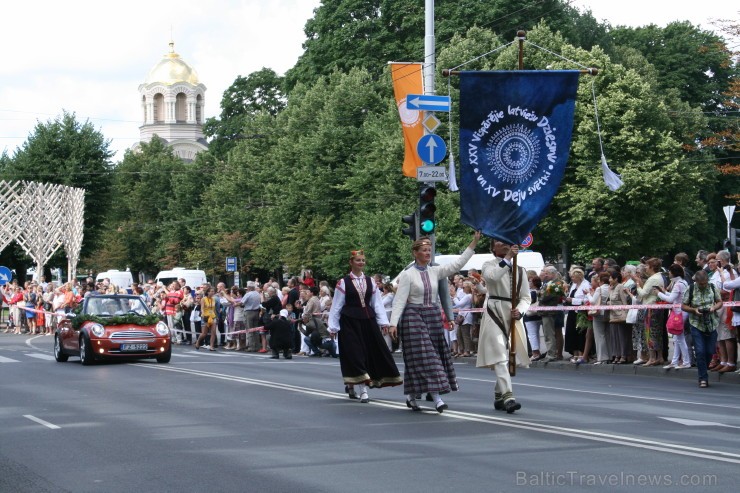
172	105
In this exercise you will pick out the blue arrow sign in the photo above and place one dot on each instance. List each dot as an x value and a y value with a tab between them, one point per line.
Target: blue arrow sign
428	102
431	149
5	275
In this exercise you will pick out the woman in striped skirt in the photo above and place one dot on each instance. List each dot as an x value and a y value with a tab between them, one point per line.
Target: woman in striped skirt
417	316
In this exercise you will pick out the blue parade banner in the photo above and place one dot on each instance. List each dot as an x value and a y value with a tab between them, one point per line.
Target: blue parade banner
515	131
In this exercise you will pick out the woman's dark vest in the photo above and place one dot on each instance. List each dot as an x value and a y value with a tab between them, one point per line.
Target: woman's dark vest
352	304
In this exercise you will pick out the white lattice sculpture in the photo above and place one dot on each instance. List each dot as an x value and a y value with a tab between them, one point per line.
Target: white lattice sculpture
10	215
72	231
41	217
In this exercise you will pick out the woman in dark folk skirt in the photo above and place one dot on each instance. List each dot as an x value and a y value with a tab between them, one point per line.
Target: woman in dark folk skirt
357	316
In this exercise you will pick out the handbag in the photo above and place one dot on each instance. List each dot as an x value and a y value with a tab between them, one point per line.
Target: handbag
596	312
675	323
460	319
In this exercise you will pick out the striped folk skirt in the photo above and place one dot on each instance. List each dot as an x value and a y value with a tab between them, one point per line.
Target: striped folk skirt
426	355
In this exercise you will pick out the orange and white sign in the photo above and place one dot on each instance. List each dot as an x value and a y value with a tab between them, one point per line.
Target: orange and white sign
408	79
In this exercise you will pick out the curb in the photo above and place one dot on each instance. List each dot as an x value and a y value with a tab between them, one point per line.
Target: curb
629	369
624	369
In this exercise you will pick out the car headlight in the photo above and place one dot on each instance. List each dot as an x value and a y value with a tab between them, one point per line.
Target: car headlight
98	330
162	329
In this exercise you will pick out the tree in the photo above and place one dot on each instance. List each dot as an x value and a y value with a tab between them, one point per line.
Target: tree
345	34
638	133
142	188
258	92
67	152
333	152
692	61
725	141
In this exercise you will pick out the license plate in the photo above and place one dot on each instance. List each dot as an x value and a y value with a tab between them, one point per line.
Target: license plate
134	347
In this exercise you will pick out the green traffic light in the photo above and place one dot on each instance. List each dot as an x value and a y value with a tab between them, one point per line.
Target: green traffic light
427	226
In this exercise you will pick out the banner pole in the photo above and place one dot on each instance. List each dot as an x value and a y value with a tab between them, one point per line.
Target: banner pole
512	323
588	71
522	35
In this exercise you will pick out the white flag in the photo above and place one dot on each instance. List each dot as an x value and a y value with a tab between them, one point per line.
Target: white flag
451	178
613	181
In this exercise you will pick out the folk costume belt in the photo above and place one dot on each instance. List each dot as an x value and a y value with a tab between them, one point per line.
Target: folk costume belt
496	319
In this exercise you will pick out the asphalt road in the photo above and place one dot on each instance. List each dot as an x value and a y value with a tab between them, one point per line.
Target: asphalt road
224	422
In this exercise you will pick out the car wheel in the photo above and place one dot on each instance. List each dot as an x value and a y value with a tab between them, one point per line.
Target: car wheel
58	351
86	351
165	357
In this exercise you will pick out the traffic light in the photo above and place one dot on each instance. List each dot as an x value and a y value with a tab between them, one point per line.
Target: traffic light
427	224
410	230
731	243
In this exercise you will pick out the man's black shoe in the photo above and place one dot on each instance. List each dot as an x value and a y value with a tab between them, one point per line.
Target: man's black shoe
512	406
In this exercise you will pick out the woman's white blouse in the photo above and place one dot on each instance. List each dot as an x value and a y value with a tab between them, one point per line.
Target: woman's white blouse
411	288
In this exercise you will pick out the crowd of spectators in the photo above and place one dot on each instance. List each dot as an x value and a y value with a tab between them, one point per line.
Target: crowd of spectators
241	317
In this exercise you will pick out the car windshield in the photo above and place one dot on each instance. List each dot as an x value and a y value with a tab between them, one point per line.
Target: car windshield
108	306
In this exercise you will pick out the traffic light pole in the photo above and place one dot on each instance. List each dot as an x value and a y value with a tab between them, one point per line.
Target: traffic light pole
430	63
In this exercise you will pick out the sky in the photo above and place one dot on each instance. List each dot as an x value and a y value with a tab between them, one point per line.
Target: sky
89	57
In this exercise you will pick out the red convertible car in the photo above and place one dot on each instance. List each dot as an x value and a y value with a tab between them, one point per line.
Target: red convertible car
111	327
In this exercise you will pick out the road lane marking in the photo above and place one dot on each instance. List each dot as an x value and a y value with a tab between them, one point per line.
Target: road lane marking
695	422
42	422
8	360
29	341
610	394
511	422
47	357
208	352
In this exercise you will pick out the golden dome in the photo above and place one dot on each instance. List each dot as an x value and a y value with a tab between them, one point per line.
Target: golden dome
172	69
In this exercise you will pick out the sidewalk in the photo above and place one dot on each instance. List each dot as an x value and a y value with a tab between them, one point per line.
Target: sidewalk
629	369
624	369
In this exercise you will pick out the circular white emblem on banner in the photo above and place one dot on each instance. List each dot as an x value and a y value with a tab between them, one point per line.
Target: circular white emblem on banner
513	153
409	118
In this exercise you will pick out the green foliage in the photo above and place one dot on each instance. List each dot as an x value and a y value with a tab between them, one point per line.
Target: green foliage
137	206
248	96
690	60
639	134
346	34
128	319
302	170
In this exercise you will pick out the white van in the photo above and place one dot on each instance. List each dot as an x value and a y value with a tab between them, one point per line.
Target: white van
193	277
526	258
119	278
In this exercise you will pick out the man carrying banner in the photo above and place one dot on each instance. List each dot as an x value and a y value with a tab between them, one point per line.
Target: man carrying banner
494	338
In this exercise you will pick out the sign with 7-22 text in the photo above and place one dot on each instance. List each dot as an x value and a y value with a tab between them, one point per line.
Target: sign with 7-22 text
431	173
